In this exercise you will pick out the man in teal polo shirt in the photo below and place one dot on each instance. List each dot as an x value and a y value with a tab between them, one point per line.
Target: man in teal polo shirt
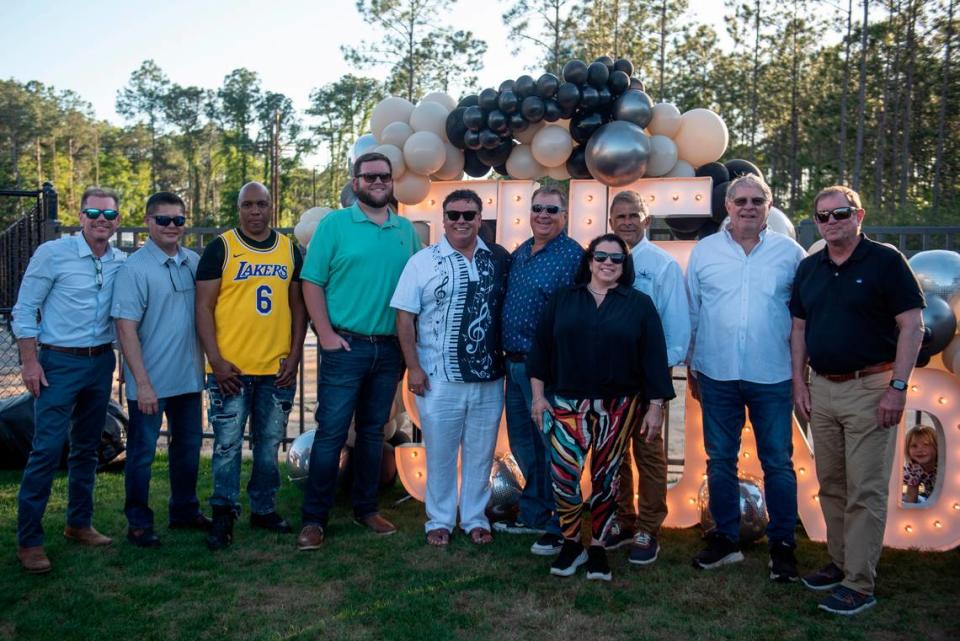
352	267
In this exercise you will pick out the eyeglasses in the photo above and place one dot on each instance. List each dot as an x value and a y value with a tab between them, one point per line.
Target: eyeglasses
616	258
468	215
164	221
93	213
372	178
550	209
840	213
756	201
98	266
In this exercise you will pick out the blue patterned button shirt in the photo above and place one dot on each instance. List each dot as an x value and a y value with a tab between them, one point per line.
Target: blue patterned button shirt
533	279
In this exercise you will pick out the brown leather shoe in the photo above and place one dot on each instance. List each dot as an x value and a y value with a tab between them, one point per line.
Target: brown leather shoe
311	538
86	536
377	524
34	560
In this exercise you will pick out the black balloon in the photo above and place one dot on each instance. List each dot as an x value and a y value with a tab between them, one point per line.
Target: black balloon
455	127
471	139
473	166
518	123
607	62
598	74
551	111
508	85
568	95
714	170
589	97
497	122
605	96
575	71
708	227
469	101
567	112
939	326
508	101
532	108
488	139
526	86
618	83
685	227
577	163
636	83
502	170
624	65
547	85
583	125
718	198
496	156
738	167
474	118
488	99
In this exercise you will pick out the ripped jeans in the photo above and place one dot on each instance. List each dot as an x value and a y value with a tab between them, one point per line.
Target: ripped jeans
270	406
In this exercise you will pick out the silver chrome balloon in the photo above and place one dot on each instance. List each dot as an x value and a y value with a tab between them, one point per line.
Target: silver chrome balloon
364	143
506	482
633	106
298	457
617	153
938	271
753	509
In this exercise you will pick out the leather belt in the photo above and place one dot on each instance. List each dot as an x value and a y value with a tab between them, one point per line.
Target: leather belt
866	371
516	357
79	351
375	338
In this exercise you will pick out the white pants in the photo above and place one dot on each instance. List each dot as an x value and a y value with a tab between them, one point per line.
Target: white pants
459	418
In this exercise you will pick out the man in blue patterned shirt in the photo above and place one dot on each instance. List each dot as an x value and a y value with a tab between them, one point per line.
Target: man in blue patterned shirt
540	266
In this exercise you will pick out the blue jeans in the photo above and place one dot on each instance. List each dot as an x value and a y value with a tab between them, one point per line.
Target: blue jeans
532	452
771	414
73	405
361	383
270	406
183	414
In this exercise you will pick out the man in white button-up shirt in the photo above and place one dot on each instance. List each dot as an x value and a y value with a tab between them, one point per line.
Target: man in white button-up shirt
739	281
658	275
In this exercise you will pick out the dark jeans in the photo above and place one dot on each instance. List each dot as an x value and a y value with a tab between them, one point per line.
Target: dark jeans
771	414
73	405
270	406
360	383
184	423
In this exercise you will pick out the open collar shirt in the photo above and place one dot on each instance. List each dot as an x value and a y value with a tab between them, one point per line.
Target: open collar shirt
658	275
739	315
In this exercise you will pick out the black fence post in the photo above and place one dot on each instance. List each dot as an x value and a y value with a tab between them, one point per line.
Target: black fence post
806	233
51	222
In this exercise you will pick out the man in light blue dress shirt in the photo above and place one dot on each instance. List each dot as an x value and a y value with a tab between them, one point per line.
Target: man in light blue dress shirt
658	275
739	281
63	309
153	305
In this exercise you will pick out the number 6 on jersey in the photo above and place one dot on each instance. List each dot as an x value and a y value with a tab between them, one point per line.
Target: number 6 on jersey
264	304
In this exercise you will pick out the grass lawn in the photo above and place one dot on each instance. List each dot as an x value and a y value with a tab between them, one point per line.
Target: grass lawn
364	587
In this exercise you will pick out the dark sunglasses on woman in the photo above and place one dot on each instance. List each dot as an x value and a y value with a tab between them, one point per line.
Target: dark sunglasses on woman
616	258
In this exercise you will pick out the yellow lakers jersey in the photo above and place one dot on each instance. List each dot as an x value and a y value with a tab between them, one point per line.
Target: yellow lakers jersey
254	323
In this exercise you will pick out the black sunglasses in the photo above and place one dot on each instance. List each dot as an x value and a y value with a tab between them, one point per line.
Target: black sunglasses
468	215
550	209
164	221
93	213
616	258
372	178
840	213
756	200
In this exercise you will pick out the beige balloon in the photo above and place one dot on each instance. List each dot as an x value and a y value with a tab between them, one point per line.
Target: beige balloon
526	136
303	231
552	146
439	97
816	246
396	133
663	156
411	188
559	172
780	222
682	169
314	213
423	152
392	109
430	116
702	137
521	164
950	354
452	168
665	121
395	155
563	122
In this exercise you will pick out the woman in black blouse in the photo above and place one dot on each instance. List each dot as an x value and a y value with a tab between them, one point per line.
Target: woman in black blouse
598	361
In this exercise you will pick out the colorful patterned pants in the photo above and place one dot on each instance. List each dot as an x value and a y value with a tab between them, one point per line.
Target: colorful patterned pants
600	427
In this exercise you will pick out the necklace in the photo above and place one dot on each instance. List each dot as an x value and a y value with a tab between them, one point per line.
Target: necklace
595	292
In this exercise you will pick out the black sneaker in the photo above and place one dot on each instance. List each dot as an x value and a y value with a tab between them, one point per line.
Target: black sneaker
271	521
618	536
847	602
516	527
783	564
221	532
145	538
644	549
547	545
719	551
597	567
826	578
572	556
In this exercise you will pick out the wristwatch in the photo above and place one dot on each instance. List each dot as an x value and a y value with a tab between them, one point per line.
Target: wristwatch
898	384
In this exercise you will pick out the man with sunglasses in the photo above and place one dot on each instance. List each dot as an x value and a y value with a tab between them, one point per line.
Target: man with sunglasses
857	319
659	276
153	306
251	322
448	303
68	286
539	267
739	282
353	263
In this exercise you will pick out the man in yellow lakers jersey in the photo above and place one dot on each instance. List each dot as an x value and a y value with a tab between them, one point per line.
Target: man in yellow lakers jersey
252	322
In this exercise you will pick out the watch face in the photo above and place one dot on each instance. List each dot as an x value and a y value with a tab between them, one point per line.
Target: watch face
898	384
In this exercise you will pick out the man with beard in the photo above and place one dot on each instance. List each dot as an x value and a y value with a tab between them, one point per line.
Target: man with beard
352	267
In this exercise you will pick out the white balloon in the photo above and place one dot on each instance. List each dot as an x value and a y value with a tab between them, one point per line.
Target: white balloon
439	97
391	109
396	133
779	222
663	156
521	164
396	159
424	153
559	172
303	231
430	116
816	246
682	169
314	213
452	168
411	188
702	137
526	136
665	121
552	146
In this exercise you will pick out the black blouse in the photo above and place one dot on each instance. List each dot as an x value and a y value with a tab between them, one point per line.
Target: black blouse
617	349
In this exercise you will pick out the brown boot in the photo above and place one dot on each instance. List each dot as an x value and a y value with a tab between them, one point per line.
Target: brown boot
311	538
86	536
377	524
34	560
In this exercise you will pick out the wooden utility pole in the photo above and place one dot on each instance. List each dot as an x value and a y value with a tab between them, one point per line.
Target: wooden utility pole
275	169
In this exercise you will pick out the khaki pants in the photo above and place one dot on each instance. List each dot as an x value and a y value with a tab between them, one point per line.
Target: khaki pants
651	463
853	455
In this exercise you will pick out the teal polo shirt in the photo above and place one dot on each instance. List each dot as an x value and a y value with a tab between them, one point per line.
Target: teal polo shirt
358	264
